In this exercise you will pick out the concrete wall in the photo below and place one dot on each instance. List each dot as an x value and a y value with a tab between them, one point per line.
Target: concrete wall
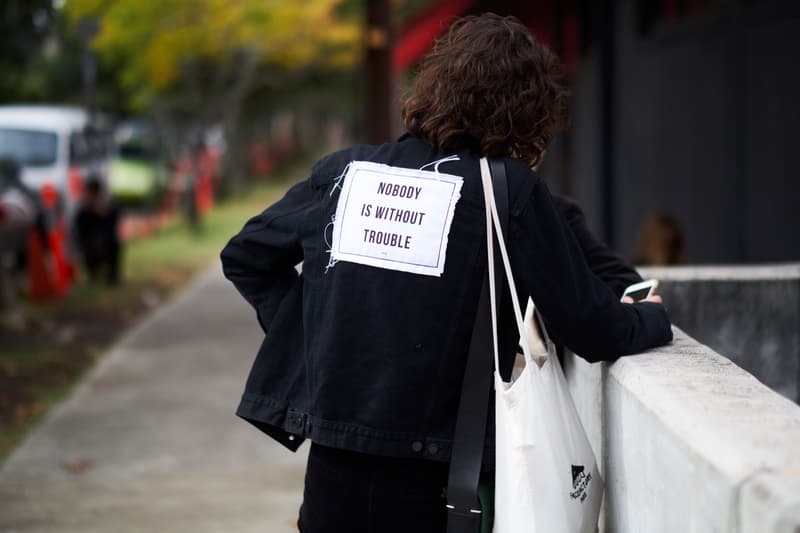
751	315
689	442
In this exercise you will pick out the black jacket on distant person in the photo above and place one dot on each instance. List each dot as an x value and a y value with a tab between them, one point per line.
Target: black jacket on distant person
98	238
372	359
607	265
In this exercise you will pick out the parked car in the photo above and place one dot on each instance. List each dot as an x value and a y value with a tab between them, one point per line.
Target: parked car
18	212
56	145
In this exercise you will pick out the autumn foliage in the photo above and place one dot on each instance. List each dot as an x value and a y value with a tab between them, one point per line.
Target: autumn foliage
153	42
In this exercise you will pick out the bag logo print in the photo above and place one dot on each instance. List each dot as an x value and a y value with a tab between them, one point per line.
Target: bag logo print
580	483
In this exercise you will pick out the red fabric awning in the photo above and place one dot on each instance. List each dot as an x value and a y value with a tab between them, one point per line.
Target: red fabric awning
557	29
418	36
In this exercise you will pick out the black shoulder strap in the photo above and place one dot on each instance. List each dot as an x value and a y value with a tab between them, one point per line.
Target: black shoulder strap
464	512
500	182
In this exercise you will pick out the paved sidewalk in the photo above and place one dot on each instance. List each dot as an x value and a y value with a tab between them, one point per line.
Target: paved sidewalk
149	441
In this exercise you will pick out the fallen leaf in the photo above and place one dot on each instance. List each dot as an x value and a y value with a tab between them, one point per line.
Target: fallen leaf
77	466
66	335
25	411
10	368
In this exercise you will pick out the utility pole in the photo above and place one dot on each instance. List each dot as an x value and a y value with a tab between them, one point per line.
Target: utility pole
378	72
87	28
608	86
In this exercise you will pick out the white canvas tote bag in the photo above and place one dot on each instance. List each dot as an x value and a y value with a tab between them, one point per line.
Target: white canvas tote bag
546	477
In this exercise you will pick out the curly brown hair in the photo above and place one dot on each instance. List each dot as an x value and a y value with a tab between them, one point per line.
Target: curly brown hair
488	85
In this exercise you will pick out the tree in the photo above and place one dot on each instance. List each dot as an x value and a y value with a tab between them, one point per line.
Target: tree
24	25
192	63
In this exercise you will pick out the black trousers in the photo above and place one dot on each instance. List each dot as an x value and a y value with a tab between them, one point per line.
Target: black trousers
351	492
102	256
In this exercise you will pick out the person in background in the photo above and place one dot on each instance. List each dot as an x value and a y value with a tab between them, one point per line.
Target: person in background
96	225
368	361
610	267
660	242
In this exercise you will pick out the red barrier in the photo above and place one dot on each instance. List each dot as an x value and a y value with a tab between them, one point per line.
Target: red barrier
41	284
204	181
64	269
51	272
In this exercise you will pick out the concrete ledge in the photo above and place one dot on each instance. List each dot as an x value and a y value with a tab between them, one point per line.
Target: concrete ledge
690	442
763	272
750	314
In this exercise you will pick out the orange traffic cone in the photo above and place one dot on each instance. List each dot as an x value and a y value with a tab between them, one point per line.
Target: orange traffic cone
204	195
63	272
63	269
40	277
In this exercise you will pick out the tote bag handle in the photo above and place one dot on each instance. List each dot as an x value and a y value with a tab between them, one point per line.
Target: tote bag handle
493	225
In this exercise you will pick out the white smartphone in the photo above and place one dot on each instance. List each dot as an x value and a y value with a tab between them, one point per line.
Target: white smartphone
642	290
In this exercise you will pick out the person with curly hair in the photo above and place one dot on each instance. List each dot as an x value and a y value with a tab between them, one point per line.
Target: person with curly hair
489	87
365	350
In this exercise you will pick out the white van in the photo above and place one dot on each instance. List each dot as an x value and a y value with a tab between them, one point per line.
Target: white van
55	145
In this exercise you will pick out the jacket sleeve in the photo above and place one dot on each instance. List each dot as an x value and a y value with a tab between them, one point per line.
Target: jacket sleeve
606	264
579	309
260	260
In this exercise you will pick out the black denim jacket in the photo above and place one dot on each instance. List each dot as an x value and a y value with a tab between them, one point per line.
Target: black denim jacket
370	359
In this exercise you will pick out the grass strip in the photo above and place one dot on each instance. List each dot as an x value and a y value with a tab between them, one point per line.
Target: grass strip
48	347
